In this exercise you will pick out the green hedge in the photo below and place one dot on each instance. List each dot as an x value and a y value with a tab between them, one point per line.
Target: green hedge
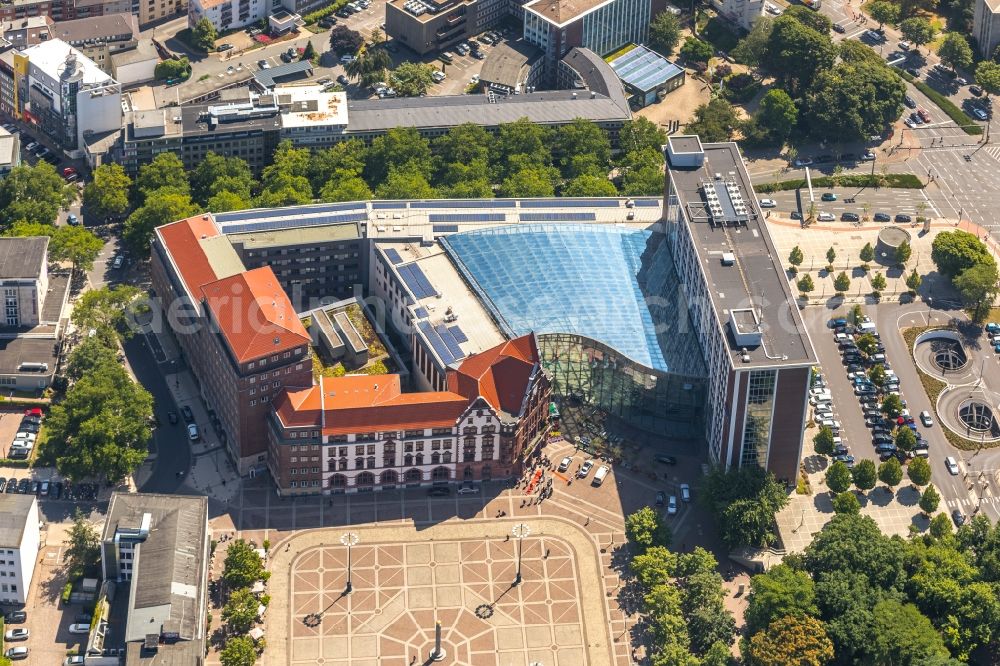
967	124
67	592
316	16
898	180
20	464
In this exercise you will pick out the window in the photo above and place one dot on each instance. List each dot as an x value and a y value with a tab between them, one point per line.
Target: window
293	459
295	470
757	427
371	449
359	450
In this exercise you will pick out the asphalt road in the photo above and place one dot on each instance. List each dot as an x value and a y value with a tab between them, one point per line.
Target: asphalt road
170	443
886	200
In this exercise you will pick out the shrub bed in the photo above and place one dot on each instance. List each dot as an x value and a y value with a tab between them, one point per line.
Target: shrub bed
896	180
967	124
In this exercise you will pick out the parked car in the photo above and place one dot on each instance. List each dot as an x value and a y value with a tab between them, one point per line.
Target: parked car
585	469
661	498
845	458
193	433
849	217
223	47
468	490
958	517
768	203
685	492
19	634
902	217
826	217
188	415
439	491
882	217
79	628
666	460
19	652
15	617
672	506
564	464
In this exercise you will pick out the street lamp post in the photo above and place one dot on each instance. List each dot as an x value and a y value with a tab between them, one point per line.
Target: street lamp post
349	539
520	531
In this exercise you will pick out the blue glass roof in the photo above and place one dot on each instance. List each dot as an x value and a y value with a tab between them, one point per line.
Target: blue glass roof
644	69
611	284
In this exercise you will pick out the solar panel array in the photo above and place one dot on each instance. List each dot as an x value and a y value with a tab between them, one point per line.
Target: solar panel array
558	217
466	217
295	223
445	228
644	69
465	203
449	340
388	205
415	279
570	203
442	342
393	256
262	214
648	202
458	334
420	313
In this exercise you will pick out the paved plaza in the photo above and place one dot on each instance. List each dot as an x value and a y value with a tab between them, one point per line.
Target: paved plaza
461	574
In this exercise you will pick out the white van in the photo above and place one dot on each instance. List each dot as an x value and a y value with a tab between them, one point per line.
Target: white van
602	472
867	327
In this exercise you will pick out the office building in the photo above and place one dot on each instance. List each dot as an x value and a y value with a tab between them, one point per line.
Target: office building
428	26
19	541
756	348
100	37
511	68
24	278
741	13
986	26
25	32
154	561
647	76
136	65
65	94
360	433
250	125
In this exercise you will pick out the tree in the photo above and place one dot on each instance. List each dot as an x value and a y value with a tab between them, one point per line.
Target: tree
107	192
890	473
810	18
714	121
643	173
796	53
842	283
903	634
641	134
203	35
165	171
33	194
400	149
309	52
695	50
884	12
954	51
878	282
905	439
867	344
979	287
242	566
918	30
954	251
239	651
988	77
161	207
800	640
892	406
855	544
89	355
351	188
838	477
216	173
106	309
240	612
823	441
581	147
411	79
919	471
655	566
402	184
831	256
520	144
752	48
940	526
795	257
903	252
805	284
929	500
744	502
101	427
866	95
342	160
284	189
589	185
645	528
664	33
846	502
173	69
867	253
876	374
84	549
226	201
76	245
777	115
913	281
343	40
531	181
864	475
780	592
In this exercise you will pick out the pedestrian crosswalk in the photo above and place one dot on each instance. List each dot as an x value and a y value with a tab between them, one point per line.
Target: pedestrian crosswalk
993	151
972	502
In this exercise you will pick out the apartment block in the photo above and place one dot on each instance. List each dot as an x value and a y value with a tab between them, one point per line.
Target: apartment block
19	542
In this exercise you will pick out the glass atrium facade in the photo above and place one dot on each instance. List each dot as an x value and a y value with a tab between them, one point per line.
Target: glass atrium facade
612	326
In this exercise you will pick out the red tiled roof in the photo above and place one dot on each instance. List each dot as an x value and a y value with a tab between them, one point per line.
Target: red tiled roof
500	375
182	241
254	314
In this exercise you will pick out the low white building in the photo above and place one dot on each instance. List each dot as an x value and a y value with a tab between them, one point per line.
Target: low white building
743	13
19	539
231	14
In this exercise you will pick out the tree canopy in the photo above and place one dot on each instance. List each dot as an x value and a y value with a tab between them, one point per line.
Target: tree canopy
664	33
33	194
744	502
107	192
645	528
203	35
242	566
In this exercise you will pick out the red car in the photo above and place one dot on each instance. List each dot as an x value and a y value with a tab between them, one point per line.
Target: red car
68	171
34	411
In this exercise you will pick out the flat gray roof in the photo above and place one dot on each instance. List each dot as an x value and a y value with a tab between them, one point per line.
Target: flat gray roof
13	518
22	257
755	280
169	569
546	107
597	75
506	61
97	28
299	69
